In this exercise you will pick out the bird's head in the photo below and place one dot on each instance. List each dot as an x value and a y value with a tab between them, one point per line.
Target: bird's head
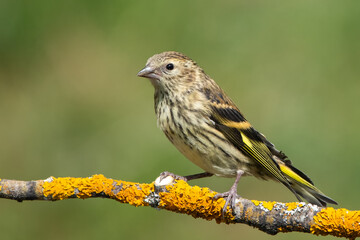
171	72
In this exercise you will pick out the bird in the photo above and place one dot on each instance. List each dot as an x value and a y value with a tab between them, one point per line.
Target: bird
205	125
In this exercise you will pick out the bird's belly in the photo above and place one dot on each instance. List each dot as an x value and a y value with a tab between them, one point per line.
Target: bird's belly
219	158
203	145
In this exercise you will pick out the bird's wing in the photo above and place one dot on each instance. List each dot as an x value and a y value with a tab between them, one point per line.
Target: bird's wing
232	124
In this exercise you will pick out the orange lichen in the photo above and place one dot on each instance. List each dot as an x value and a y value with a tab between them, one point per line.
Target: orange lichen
63	188
195	201
337	222
267	205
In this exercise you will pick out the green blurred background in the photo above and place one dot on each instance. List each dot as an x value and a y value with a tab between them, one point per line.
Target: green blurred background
71	104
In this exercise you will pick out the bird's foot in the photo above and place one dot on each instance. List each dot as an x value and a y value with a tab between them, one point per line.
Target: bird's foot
230	196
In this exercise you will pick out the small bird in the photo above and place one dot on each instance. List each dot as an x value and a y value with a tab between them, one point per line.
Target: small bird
206	127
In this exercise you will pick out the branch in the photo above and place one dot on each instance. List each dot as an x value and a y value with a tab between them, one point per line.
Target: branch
178	196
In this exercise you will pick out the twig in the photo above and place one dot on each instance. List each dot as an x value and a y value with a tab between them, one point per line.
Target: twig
178	196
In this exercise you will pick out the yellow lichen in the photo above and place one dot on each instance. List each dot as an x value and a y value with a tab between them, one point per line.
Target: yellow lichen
195	201
63	188
133	194
337	222
59	188
94	185
267	205
293	205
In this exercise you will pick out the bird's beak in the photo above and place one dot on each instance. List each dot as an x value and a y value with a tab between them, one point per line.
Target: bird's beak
148	72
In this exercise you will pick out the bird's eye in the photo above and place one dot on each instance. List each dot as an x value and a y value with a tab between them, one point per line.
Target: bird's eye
170	66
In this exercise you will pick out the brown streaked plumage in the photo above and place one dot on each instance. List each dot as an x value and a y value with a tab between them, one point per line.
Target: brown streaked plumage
206	126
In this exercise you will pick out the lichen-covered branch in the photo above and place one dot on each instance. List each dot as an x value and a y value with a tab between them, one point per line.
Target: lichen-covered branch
178	196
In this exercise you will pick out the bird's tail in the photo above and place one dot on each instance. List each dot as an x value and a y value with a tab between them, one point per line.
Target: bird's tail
302	186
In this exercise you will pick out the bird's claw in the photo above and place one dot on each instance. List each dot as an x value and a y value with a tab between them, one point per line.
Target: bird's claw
231	197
